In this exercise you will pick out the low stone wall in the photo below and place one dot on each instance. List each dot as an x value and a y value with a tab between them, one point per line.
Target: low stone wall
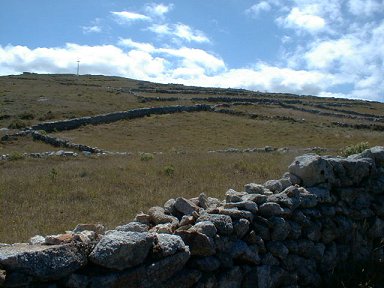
290	232
116	116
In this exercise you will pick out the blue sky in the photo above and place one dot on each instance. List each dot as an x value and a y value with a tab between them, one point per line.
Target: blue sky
330	48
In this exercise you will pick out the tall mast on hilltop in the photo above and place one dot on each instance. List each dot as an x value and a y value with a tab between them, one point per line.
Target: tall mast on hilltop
78	67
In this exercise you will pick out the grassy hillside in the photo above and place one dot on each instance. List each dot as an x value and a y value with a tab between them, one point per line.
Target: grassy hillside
42	196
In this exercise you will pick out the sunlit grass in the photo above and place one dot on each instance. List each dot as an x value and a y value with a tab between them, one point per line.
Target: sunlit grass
43	196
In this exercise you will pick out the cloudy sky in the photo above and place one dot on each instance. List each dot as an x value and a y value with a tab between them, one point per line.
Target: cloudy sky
317	47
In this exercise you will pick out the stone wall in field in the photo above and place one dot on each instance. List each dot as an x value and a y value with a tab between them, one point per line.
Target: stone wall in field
290	232
116	116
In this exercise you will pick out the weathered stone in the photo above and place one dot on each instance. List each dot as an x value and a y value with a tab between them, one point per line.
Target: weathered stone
269	259
231	278
185	278
234	213
261	227
313	232
268	276
377	229
133	227
167	228
166	245
257	198
243	205
185	206
61	239
169	207
157	216
142	218
277	249
120	250
288	198
253	188
305	268
77	281
16	279
231	196
97	228
311	169
187	220
205	227
269	209
274	185
205	264
37	240
295	230
203	201
223	223
280	230
43	262
307	200
323	195
241	227
199	243
242	253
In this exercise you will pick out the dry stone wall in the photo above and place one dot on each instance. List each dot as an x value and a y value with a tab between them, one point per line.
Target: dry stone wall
290	232
116	116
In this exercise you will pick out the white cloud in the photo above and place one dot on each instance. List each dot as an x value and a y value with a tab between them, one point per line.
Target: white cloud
180	31
91	29
147	47
324	54
259	7
192	58
365	7
105	59
158	9
303	19
126	17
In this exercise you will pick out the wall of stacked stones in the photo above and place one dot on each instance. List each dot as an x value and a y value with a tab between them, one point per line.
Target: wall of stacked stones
116	116
290	232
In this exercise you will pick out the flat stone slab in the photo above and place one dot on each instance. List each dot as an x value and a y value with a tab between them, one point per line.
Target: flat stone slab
43	262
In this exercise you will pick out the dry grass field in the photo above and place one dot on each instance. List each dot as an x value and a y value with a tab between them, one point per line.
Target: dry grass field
50	195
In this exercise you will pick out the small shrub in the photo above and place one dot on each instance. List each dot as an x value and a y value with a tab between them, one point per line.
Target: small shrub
15	156
169	170
53	174
17	124
26	116
355	149
146	156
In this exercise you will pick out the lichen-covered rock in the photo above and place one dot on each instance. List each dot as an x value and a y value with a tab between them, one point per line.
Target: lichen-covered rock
157	216
133	227
243	205
269	209
223	223
288	198
185	206
274	185
232	196
43	262
205	227
97	228
166	245
120	250
312	170
254	188
37	240
241	227
199	244
280	228
241	252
